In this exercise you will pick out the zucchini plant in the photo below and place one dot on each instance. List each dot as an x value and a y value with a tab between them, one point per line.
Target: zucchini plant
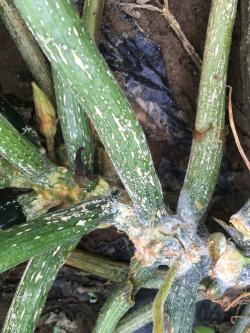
85	92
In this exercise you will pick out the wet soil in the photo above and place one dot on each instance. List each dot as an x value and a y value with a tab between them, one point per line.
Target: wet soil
76	297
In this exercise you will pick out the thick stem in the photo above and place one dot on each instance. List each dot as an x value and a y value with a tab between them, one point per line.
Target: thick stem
80	64
21	153
11	177
92	17
104	267
159	302
25	207
27	159
243	323
27	46
121	300
136	319
75	126
35	204
241	221
118	303
32	291
207	147
109	269
52	230
180	305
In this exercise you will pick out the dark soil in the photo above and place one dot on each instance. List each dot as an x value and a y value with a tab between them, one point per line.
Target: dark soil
76	297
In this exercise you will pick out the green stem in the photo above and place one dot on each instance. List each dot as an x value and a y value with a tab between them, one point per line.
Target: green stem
104	267
27	46
32	291
92	17
247	261
135	319
37	168
109	269
34	205
117	304
21	153
74	122
10	177
180	304
159	302
241	221
80	64
25	207
243	323
75	125
121	300
207	147
52	230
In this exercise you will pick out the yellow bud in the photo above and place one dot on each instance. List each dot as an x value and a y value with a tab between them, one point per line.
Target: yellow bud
45	112
46	117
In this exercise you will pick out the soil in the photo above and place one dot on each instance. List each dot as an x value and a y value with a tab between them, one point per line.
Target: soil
76	297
